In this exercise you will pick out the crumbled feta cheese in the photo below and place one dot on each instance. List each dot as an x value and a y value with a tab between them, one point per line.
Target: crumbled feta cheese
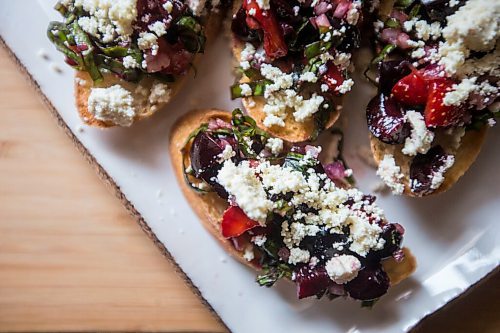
158	27
130	62
343	268
391	174
308	77
227	153
438	177
248	192
148	41
168	6
473	27
113	104
308	107
259	240
247	55
252	12
324	87
251	187
275	145
421	138
160	94
246	90
108	20
460	92
345	86
298	255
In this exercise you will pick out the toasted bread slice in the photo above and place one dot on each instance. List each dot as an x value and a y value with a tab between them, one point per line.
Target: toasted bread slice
293	131
140	91
210	207
465	155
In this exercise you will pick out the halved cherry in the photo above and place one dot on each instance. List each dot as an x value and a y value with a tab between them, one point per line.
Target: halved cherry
274	41
235	222
333	77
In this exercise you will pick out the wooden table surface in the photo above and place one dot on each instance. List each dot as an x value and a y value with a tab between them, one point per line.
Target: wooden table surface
71	258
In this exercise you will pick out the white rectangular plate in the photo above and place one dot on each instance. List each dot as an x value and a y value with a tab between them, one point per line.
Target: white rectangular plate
453	235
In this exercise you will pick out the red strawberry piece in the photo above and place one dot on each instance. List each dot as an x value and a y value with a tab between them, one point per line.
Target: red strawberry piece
437	114
411	89
333	77
274	41
235	222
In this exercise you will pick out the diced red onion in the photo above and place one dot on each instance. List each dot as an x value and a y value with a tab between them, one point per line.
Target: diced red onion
342	8
335	170
322	21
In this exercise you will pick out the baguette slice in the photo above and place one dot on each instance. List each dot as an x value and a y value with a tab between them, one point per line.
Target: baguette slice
465	155
293	131
209	207
140	91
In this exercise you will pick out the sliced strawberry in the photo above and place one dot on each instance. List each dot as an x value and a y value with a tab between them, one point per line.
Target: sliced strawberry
437	114
274	41
235	222
333	77
411	89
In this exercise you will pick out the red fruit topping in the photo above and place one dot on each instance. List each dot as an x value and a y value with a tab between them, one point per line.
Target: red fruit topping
274	41
311	281
436	112
235	222
169	59
411	89
333	77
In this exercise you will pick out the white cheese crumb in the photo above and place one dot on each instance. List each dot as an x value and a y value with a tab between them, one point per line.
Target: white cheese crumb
248	192
275	145
130	62
391	174
343	268
259	240
345	86
108	20
226	154
460	92
421	138
438	177
160	94
113	104
148	41
158	27
246	90
298	255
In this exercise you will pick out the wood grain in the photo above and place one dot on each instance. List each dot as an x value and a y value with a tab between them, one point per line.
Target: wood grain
71	258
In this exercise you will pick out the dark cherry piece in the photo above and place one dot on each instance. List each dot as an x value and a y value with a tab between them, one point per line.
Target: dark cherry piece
204	157
371	283
312	281
424	167
385	117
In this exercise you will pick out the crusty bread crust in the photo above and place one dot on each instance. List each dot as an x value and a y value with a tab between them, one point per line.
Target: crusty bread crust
465	155
209	206
144	108
293	131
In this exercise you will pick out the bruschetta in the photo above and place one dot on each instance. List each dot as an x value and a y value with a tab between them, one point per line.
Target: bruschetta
131	56
437	72
293	62
276	208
